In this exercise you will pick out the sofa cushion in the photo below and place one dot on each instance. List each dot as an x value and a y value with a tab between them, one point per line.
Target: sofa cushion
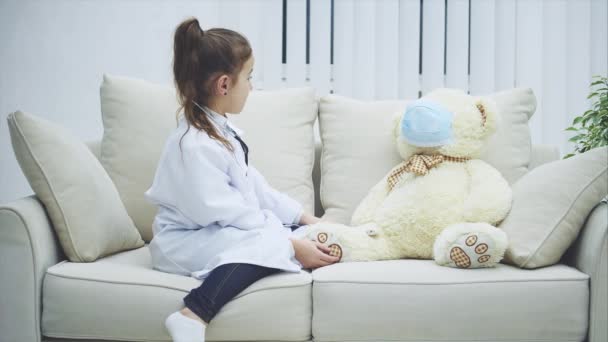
359	148
122	298
138	116
278	128
82	202
417	300
550	205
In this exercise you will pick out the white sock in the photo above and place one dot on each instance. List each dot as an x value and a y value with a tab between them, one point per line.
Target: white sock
185	329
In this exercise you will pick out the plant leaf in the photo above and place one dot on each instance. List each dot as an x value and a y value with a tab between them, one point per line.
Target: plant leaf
576	137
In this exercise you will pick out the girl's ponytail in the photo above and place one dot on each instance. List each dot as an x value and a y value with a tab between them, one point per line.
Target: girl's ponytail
199	58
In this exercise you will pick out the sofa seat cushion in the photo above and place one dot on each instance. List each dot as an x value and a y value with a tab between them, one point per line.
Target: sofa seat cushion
121	297
417	300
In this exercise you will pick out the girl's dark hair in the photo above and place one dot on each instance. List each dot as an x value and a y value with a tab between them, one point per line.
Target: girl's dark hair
199	59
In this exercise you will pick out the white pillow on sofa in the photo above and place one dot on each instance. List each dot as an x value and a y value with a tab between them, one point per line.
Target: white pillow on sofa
278	128
138	116
550	204
82	202
358	146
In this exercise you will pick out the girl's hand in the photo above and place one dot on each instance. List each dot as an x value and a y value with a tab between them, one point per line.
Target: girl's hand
307	218
312	254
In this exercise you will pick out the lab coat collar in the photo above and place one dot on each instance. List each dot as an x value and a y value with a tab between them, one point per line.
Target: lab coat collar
223	121
219	120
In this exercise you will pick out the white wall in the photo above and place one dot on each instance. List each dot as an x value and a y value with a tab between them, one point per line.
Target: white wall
53	53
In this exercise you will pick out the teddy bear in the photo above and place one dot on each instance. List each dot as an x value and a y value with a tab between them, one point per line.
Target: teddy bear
441	202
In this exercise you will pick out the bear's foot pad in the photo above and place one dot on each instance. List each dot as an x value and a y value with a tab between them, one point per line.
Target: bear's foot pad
473	255
329	240
336	251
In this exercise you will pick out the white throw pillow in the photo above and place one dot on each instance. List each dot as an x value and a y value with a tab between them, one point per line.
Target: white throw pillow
359	149
550	205
82	202
138	116
510	147
278	128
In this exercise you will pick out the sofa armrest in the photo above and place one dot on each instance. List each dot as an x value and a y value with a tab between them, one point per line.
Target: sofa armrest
28	247
589	254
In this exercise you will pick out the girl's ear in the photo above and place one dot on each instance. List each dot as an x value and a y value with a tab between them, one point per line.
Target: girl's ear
222	85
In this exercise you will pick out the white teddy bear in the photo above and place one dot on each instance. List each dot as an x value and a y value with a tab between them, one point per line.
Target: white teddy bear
441	202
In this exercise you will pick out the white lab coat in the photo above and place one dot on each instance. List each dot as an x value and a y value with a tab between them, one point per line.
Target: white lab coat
214	209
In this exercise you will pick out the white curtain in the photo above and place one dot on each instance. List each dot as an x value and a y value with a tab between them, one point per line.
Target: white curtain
54	53
403	48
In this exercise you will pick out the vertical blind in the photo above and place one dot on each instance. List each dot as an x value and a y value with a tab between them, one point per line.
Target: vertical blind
389	49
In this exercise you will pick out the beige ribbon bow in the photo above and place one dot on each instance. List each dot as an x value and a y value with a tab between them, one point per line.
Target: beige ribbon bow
419	164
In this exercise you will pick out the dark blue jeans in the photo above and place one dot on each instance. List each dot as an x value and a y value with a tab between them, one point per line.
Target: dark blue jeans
223	284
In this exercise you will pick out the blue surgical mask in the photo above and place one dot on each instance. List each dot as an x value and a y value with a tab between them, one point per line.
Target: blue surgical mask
426	124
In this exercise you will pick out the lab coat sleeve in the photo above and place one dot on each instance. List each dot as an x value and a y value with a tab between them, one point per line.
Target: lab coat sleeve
207	195
285	208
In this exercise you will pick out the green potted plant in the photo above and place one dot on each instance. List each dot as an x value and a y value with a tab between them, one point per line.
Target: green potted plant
591	128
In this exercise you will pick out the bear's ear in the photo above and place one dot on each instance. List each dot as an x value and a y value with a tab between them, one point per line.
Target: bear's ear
488	115
482	111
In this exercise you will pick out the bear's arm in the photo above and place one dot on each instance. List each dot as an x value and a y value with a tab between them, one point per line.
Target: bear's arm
490	195
367	207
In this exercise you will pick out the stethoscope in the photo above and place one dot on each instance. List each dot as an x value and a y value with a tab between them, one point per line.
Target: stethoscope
236	136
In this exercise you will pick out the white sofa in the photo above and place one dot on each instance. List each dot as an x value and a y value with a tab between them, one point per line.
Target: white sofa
44	297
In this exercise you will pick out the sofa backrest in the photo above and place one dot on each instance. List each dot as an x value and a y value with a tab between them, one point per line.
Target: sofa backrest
279	125
540	155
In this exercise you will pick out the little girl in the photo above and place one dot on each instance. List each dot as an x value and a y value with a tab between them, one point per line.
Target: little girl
218	219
